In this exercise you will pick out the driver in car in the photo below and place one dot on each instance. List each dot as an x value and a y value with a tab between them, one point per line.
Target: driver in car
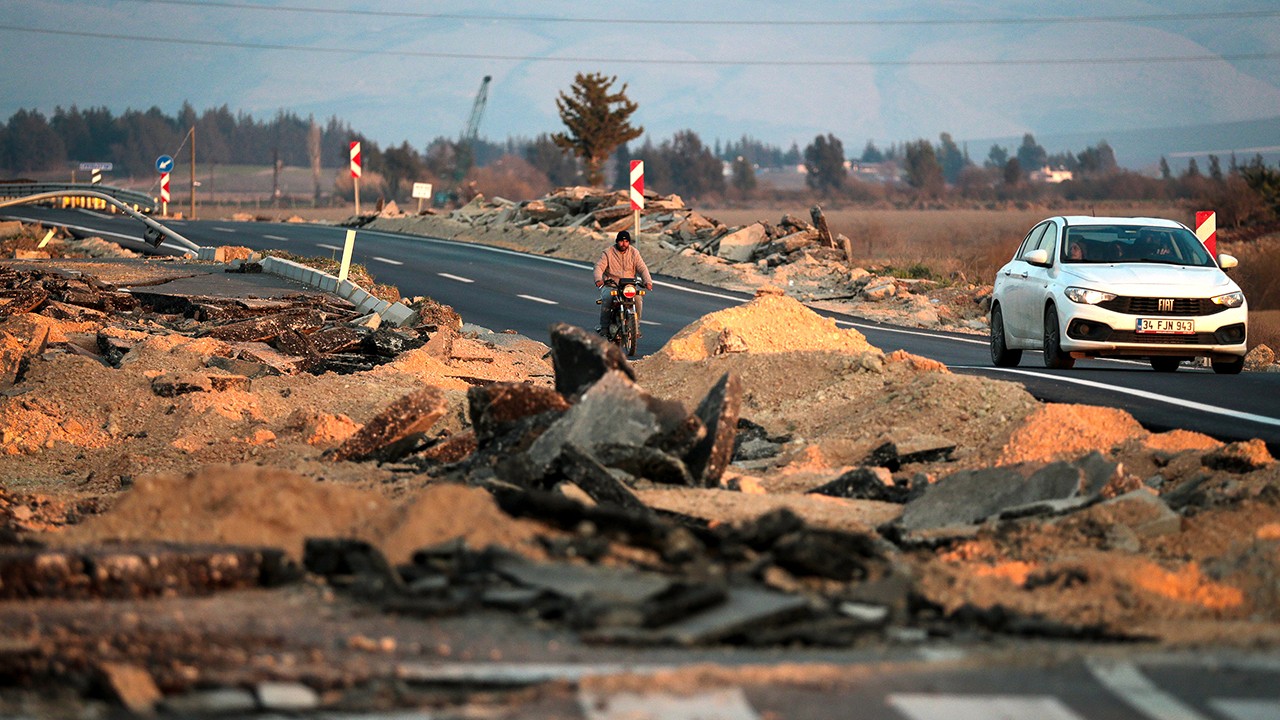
618	261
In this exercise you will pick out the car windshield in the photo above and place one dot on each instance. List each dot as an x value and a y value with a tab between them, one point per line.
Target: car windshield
1134	244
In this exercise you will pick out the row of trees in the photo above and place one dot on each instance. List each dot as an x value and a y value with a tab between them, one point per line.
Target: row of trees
598	132
30	142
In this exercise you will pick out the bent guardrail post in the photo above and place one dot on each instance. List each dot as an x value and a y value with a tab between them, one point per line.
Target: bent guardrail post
155	236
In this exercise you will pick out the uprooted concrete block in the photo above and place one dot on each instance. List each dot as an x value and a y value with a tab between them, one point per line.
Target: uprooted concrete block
413	413
741	245
580	358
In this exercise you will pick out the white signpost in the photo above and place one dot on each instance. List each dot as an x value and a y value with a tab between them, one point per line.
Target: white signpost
421	191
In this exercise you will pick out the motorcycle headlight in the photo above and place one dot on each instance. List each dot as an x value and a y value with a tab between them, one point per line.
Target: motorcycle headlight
1231	299
1085	296
629	291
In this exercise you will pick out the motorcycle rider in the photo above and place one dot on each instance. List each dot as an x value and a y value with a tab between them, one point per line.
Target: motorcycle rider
616	262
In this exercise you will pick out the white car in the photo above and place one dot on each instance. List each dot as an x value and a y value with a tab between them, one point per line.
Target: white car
1084	286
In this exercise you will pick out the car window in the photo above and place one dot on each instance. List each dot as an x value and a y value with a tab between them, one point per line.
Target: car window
1049	238
1032	240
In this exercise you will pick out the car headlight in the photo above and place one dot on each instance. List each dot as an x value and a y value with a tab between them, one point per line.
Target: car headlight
1085	296
1231	299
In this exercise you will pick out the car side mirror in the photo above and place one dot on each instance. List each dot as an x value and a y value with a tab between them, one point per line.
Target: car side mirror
1226	262
1039	256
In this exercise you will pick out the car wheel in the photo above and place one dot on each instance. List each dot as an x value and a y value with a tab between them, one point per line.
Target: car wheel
1054	358
1165	364
1229	367
1001	355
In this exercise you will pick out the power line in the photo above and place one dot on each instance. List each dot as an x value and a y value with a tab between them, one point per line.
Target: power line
1144	60
1050	20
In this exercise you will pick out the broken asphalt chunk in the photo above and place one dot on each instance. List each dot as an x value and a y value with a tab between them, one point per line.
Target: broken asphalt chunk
413	413
595	479
718	412
865	483
497	408
970	496
614	411
580	358
139	570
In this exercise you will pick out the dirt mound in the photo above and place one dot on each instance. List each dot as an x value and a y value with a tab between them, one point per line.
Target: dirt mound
853	395
235	504
441	513
1059	431
272	507
770	323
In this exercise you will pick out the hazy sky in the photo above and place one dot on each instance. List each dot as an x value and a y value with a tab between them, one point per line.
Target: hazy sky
781	72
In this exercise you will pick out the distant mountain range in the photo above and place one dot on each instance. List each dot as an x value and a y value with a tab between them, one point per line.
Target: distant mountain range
1141	150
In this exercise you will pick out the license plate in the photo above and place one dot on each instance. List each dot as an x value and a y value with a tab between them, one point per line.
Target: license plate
1166	327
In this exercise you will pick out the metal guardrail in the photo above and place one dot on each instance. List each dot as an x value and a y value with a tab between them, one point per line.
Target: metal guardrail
154	234
138	201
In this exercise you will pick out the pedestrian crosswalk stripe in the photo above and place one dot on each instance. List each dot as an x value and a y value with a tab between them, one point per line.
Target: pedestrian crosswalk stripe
932	706
729	704
1250	709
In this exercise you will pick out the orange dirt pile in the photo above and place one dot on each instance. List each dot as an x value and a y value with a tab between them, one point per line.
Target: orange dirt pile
271	507
1057	431
768	324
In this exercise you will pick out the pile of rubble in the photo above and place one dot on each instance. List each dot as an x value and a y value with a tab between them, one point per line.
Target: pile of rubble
310	332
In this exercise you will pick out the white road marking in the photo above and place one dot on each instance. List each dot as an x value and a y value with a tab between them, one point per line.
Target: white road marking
329	247
980	707
1180	402
544	301
729	704
1242	709
1125	681
456	277
274	237
385	260
649	322
225	229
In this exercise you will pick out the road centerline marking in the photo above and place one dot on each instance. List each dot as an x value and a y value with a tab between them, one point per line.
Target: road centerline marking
387	261
930	706
458	278
225	229
1126	682
275	237
536	299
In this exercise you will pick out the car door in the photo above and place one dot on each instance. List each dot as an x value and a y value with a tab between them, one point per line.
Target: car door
1017	295
1038	279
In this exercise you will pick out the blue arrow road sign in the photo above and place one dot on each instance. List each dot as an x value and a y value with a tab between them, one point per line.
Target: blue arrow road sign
164	164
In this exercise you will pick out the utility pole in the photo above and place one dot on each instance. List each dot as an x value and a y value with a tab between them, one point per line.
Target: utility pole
193	172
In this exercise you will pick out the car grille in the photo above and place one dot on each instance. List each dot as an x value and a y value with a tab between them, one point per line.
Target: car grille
1129	336
1151	306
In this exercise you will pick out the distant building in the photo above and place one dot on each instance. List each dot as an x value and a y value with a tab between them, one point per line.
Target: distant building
1050	175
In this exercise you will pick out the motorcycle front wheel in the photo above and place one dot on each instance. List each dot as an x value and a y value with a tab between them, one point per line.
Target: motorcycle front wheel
632	334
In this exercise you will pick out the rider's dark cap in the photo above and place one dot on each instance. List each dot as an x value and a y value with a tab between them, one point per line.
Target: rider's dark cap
623	235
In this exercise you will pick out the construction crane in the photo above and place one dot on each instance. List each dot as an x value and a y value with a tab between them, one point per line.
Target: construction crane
467	143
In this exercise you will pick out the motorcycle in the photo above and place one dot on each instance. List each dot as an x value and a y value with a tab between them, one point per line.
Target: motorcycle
624	322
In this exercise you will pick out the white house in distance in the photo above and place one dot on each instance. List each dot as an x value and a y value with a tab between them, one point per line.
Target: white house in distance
1047	174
